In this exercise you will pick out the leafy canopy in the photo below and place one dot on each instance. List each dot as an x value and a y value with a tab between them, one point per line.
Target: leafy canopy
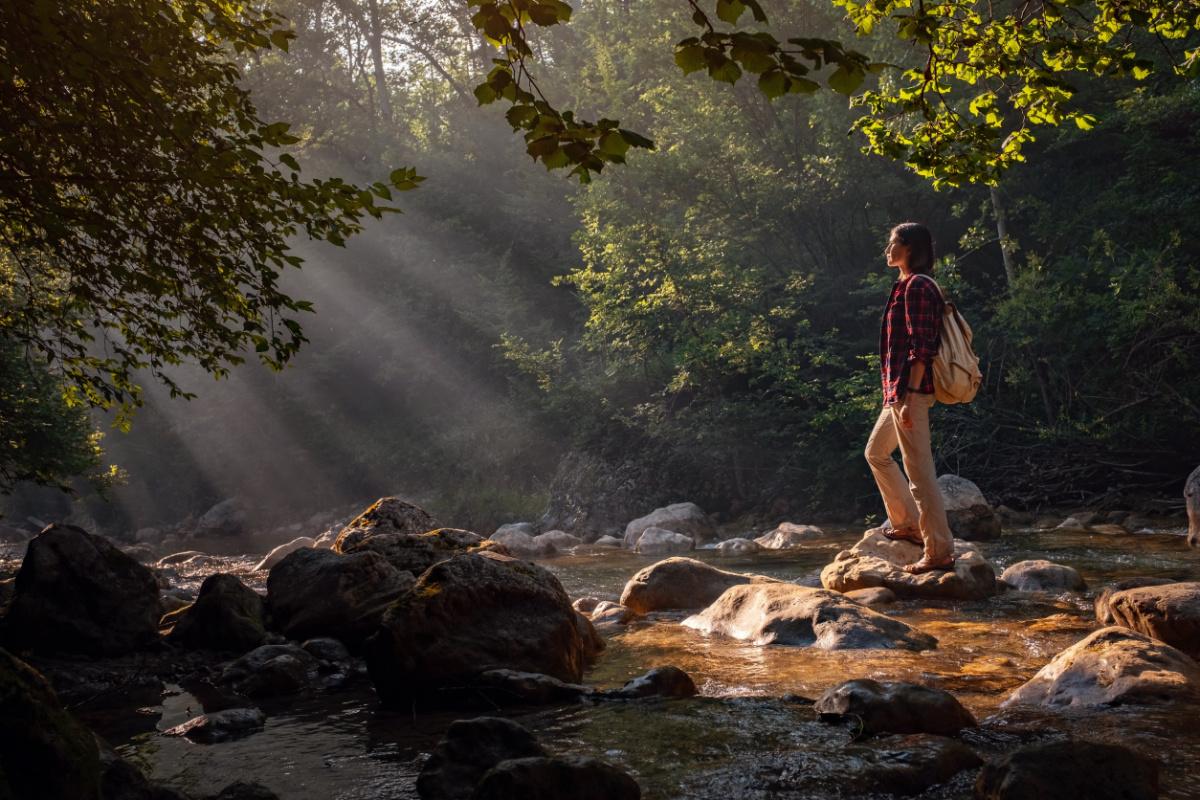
975	81
145	208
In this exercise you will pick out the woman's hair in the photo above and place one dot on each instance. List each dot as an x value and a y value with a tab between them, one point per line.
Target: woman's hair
919	241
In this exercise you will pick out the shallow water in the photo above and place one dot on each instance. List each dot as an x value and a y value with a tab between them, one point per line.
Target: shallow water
344	746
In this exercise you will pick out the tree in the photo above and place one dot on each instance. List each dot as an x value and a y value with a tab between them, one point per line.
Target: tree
145	207
957	106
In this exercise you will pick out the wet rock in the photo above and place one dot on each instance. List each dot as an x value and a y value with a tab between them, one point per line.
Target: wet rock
1191	497
522	545
227	518
44	751
1070	769
738	546
585	605
326	649
786	614
544	778
789	534
680	583
272	670
593	642
1039	575
557	540
894	707
878	561
1078	521
314	593
1109	529
471	613
1169	613
506	687
242	790
175	559
665	681
685	518
969	514
277	554
417	552
1113	666
386	515
878	596
659	541
227	615
608	614
121	780
78	593
469	749
527	528
220	726
1103	613
607	541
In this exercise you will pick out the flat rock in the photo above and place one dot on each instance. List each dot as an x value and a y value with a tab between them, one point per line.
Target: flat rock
659	541
789	534
1113	666
277	554
78	593
878	561
894	707
1169	613
220	726
472	613
386	515
1039	575
1068	770
680	583
878	596
786	614
686	518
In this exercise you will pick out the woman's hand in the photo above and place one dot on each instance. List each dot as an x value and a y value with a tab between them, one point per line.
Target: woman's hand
905	415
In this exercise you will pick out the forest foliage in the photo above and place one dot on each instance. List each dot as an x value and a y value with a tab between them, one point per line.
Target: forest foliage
710	308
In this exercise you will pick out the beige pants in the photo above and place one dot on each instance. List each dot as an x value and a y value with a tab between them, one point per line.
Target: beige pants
917	500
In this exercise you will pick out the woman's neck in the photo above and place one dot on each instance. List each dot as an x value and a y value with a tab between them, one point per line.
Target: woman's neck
905	272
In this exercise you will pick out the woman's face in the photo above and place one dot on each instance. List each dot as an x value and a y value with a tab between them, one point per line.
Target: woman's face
896	252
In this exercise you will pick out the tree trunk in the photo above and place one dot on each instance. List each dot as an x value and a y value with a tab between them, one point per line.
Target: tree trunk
1010	267
375	40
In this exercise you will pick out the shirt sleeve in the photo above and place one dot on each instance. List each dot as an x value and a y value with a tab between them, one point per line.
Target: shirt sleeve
923	306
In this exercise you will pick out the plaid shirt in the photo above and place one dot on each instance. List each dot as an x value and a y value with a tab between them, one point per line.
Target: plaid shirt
911	331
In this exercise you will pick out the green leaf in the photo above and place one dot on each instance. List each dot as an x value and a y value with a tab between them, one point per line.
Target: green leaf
521	116
485	94
773	83
281	38
690	58
730	10
846	79
613	144
289	160
636	139
556	159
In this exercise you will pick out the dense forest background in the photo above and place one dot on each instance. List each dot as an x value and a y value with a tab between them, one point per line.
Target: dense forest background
699	325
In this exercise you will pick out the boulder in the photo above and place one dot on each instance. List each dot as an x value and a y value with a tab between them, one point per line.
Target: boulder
685	518
277	554
316	592
659	541
327	650
1070	769
386	515
1103	613
272	670
1039	575
878	596
894	707
608	614
227	615
220	726
1113	666
44	751
586	605
527	528
226	518
593	642
786	614
659	682
522	545
506	687
557	540
738	546
789	534
471	613
967	510
878	561
545	778
607	541
416	552
468	750
1191	497
680	583
1169	613
78	593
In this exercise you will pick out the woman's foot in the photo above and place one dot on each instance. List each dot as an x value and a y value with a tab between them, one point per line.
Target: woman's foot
928	565
908	533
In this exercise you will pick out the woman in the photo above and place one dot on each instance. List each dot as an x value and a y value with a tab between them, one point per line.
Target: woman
908	340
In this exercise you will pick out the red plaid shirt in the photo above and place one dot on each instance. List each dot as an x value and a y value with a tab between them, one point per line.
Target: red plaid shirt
911	331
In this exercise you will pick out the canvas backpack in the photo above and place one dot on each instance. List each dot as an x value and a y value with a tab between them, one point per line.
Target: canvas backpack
956	375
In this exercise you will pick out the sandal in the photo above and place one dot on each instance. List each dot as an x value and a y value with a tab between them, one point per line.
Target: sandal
906	534
925	565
